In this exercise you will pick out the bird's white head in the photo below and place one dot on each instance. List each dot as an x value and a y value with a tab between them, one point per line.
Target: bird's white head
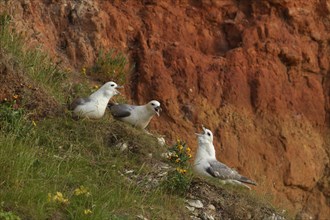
154	106
111	87
205	137
205	145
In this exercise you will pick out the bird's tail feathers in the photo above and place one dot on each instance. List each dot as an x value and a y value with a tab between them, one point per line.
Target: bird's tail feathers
244	179
238	183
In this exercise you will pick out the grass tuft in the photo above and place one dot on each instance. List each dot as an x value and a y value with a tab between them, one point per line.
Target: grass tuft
32	61
111	65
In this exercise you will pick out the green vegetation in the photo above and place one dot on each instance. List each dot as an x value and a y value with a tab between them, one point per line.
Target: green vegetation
33	62
111	65
59	168
178	180
42	171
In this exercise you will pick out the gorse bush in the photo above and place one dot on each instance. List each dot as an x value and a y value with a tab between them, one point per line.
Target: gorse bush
178	180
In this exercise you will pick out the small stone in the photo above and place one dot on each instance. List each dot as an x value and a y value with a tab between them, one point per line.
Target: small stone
141	217
162	174
122	146
161	141
130	28
191	209
195	203
211	207
205	216
129	171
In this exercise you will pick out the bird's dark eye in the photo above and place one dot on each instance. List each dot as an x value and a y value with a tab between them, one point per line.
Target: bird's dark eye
152	104
208	133
112	85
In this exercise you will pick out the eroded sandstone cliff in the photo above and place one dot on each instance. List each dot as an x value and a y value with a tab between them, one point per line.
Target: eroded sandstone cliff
257	73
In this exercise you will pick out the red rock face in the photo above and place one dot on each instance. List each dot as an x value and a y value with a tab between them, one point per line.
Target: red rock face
254	72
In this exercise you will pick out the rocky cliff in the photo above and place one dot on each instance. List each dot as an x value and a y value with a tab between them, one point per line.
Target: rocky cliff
257	73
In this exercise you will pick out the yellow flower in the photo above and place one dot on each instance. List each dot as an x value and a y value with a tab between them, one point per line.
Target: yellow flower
58	197
49	197
188	150
83	71
95	87
189	155
81	190
87	212
15	97
182	171
177	160
180	147
34	123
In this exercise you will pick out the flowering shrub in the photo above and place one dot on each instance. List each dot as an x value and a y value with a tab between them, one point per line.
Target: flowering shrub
178	180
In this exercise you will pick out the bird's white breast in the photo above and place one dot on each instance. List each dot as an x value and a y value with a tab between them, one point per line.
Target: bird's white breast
201	160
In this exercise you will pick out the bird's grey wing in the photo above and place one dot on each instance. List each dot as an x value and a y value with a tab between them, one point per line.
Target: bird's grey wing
79	101
221	171
121	110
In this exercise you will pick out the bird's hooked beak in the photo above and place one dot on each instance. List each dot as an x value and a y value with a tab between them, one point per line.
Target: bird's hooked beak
204	129
157	110
118	87
200	134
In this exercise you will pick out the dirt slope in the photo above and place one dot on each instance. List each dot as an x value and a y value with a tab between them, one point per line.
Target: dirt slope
254	72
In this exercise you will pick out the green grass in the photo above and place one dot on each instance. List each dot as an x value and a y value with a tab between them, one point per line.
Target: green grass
32	61
59	155
111	65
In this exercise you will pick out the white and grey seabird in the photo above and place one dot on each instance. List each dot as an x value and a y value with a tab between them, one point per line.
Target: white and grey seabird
206	163
94	106
136	115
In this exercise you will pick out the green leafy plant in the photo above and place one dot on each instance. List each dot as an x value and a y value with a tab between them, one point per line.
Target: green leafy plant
178	180
111	65
7	215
